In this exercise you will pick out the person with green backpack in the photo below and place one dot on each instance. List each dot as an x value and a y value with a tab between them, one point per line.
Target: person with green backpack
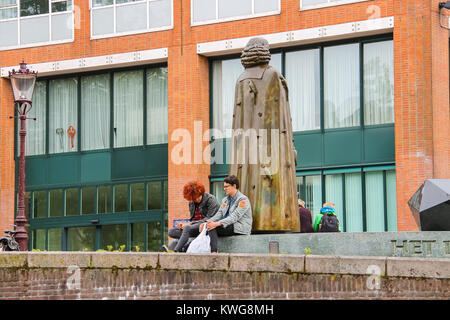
326	220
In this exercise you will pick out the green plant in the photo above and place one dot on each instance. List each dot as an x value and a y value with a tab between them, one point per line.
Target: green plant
307	251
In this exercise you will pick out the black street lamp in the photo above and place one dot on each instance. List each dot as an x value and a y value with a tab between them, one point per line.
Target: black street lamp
22	83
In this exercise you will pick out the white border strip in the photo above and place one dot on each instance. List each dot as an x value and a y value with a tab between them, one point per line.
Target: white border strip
303	36
95	63
332	3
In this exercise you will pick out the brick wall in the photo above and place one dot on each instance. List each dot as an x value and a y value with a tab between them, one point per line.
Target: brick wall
222	276
421	85
422	134
7	164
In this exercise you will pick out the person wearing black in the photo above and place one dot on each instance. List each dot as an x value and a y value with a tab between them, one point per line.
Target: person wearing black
202	206
305	218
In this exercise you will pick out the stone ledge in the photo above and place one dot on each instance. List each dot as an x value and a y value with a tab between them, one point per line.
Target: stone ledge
13	259
124	260
277	263
267	263
345	264
418	268
58	259
181	261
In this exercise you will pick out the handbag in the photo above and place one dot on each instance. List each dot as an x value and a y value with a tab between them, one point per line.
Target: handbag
201	244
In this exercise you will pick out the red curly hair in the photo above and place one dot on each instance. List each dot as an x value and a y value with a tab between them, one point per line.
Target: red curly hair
193	189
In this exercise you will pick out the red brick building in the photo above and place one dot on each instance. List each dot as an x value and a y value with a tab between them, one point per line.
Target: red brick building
369	92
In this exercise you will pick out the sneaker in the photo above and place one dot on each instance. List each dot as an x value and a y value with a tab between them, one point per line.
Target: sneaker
166	249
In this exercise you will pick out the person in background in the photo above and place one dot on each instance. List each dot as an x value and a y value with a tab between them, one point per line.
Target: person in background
202	206
305	217
234	216
327	209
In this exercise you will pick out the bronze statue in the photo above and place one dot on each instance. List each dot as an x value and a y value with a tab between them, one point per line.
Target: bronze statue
262	147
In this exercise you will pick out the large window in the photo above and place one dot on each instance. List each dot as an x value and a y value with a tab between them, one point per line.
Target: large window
378	83
225	74
119	17
138	208
63	115
364	198
90	97
35	138
128	109
303	72
95	111
210	11
341	88
35	22
325	85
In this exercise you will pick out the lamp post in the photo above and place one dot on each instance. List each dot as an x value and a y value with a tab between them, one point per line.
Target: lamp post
22	83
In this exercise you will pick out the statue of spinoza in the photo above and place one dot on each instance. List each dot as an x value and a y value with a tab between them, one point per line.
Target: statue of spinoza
263	156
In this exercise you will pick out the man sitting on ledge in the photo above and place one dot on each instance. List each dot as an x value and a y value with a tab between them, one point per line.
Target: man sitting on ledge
234	216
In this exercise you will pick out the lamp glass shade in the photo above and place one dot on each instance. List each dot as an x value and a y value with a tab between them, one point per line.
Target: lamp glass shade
23	86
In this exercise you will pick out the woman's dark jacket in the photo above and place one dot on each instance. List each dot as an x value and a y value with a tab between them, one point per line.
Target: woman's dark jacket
208	207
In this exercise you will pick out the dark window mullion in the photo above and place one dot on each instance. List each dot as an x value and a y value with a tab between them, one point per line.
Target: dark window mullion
129	239
129	197
111	118
363	187
145	106
46	239
322	95
47	200
79	115
79	201
47	117
322	176
145	237
385	202
98	237
64	239
361	86
344	218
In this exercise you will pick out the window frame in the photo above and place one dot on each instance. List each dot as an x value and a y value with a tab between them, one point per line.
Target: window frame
361	41
342	172
79	150
128	218
330	3
50	14
126	33
243	17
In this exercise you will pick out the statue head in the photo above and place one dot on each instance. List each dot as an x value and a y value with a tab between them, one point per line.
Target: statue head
255	53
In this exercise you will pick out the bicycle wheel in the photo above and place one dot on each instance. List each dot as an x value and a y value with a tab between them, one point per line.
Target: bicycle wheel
3	246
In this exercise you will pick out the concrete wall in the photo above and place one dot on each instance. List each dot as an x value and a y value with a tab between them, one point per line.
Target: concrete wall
430	244
99	275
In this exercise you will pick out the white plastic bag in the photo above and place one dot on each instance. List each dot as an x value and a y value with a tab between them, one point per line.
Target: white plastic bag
201	244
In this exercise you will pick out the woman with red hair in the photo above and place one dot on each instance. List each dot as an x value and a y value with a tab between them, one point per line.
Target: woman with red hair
202	206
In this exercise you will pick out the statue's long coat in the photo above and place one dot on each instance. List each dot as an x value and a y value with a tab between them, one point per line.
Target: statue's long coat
261	102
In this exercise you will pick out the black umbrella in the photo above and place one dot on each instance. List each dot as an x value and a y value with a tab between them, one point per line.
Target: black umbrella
430	205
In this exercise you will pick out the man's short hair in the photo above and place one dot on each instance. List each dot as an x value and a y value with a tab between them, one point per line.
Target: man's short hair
232	180
328	204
